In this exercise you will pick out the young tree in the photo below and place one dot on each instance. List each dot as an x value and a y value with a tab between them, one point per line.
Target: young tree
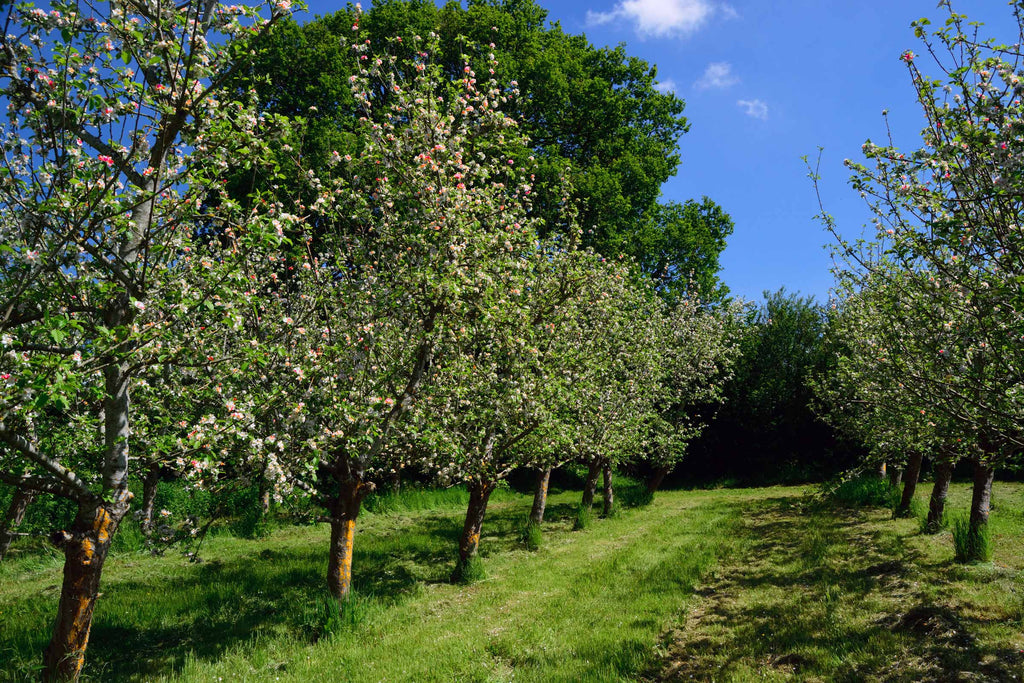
501	383
868	393
406	247
114	136
949	212
619	380
699	349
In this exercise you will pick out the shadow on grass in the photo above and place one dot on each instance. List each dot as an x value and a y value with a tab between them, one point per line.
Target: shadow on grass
149	625
828	595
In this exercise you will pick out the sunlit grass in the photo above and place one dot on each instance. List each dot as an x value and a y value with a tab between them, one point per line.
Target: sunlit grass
755	584
587	605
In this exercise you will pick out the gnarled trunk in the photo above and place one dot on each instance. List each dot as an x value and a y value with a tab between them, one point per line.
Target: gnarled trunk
344	510
149	487
85	546
913	473
981	499
469	542
609	495
937	504
654	483
540	496
15	516
590	484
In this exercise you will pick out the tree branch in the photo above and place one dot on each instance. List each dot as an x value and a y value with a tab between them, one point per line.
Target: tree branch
76	487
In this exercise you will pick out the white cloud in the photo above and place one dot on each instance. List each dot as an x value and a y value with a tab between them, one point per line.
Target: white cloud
667	85
728	11
757	109
717	75
659	18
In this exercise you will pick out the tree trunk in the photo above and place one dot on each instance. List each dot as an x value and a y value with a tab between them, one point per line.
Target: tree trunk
149	487
479	494
344	511
15	515
540	496
910	483
937	504
85	550
609	495
981	499
654	483
591	484
895	476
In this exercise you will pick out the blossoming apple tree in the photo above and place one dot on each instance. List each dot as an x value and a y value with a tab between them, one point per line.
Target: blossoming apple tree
407	242
950	213
114	136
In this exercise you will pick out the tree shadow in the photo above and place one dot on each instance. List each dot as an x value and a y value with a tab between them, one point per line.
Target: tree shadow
144	628
791	605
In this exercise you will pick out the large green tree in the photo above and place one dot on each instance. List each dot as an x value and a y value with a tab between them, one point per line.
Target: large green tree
594	110
766	424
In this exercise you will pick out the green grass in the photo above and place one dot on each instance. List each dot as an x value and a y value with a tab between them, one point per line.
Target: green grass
971	545
730	585
850	594
866	490
584	606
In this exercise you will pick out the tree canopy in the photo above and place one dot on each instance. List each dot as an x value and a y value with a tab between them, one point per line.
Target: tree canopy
596	111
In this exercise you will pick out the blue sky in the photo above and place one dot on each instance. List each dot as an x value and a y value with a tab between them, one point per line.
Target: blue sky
766	83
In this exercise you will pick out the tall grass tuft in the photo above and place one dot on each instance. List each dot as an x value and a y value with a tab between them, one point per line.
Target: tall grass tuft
533	537
862	491
325	617
470	571
971	545
584	518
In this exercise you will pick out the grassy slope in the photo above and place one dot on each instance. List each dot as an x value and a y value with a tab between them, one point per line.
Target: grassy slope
784	590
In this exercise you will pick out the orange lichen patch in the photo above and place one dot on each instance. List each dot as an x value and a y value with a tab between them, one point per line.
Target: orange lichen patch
101	525
88	551
340	571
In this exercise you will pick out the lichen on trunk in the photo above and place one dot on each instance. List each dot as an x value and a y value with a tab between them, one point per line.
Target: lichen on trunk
344	510
479	493
86	545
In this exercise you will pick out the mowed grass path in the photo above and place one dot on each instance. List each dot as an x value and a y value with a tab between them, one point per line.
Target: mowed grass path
588	606
724	585
825	594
